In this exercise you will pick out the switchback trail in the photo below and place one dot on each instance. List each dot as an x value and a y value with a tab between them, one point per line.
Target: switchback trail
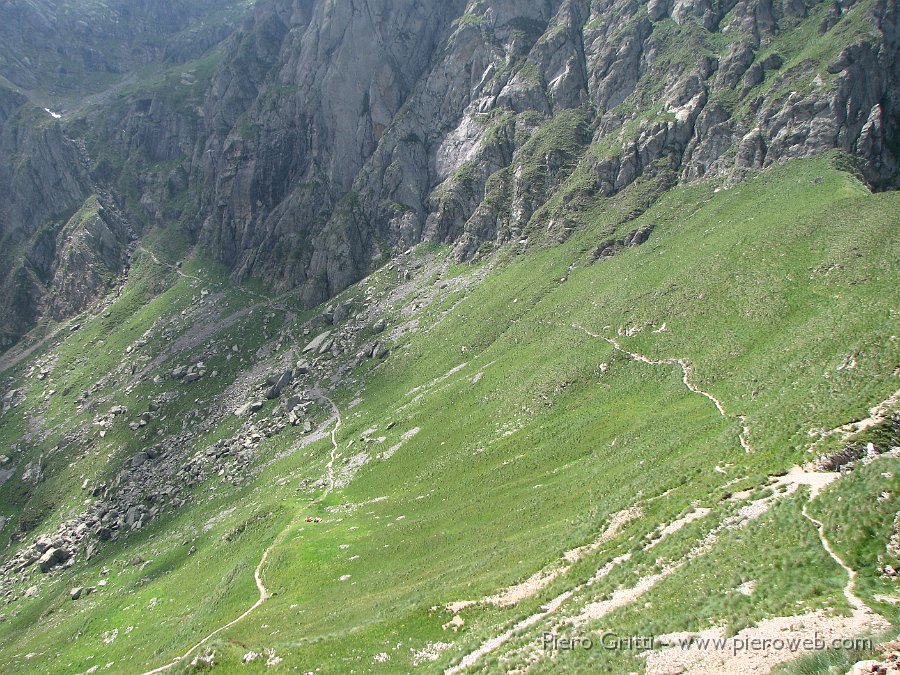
171	267
257	574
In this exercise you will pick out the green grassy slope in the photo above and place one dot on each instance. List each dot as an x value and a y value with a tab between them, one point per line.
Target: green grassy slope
532	434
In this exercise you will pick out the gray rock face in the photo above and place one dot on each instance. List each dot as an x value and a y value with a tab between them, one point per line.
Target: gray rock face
342	312
426	131
333	135
61	245
279	383
48	181
610	247
317	343
91	249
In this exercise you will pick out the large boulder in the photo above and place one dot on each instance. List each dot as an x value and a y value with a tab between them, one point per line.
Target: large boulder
280	384
247	408
342	312
317	342
51	558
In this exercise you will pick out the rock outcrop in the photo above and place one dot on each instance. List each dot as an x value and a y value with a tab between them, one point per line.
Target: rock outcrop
367	130
61	246
331	135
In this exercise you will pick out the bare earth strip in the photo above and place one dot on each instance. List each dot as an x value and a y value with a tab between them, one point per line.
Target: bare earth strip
537	582
877	414
687	373
709	653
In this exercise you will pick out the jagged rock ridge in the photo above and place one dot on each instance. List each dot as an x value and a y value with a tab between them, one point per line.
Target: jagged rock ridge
378	125
330	135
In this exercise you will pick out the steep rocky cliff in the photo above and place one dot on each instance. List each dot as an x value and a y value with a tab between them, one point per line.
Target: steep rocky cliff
372	126
41	180
59	247
324	136
63	237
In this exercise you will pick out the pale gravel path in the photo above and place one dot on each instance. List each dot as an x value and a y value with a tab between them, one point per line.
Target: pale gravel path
687	372
849	589
257	574
730	655
159	262
877	414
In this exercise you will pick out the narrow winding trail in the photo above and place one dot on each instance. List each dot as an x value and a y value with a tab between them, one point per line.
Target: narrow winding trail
687	372
849	589
629	595
878	414
264	593
171	267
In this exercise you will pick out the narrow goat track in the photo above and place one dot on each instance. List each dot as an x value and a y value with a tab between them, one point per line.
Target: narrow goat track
626	596
849	589
687	372
329	469
177	269
264	594
877	414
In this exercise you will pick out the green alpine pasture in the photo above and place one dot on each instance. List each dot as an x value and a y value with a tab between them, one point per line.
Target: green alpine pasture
520	435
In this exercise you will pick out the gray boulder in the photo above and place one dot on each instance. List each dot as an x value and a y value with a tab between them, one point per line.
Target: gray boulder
316	343
51	558
280	384
342	312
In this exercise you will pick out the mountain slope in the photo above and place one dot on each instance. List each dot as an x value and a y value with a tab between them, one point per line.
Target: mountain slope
395	335
465	134
507	432
319	139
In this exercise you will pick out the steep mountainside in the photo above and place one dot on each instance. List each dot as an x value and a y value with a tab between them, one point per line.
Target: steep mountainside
452	461
323	137
396	335
64	237
333	133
